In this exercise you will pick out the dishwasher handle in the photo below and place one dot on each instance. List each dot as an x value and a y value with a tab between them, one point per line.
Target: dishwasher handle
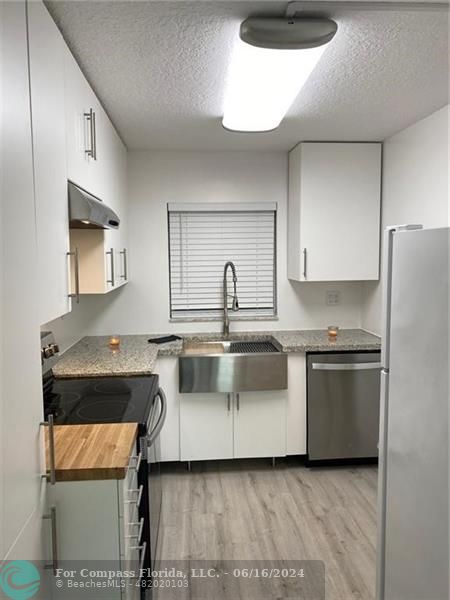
368	366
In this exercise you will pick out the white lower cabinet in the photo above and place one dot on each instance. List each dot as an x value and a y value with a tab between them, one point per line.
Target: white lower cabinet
217	426
167	369
260	424
244	425
296	405
97	529
206	426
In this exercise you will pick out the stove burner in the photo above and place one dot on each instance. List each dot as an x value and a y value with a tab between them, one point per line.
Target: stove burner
105	411
116	387
70	397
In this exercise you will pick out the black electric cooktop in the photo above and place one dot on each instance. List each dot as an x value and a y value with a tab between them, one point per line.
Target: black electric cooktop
100	399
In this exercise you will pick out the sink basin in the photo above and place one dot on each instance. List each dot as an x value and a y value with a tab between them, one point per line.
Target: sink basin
231	366
229	347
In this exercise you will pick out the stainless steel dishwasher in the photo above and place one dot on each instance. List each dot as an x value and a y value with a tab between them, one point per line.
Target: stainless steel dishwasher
343	401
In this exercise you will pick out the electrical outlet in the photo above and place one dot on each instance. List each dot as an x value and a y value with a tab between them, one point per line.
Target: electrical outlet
333	297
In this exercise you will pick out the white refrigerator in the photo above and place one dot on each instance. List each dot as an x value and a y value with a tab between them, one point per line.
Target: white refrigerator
413	497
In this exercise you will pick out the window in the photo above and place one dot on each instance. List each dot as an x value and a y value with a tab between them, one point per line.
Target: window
202	238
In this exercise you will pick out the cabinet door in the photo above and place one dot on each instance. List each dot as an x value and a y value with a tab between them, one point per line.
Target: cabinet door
46	48
296	405
20	369
334	204
206	426
79	139
260	424
167	369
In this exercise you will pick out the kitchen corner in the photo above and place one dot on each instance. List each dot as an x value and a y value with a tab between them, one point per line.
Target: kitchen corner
230	172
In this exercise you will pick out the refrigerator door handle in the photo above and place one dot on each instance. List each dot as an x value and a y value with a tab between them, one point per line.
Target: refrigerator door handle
382	476
388	243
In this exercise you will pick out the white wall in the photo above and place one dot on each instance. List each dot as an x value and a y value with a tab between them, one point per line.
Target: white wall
415	188
156	178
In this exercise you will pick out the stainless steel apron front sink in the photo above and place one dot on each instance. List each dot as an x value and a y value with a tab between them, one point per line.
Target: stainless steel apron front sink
232	366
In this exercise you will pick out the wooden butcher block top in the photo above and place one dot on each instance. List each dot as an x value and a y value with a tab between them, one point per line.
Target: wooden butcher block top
89	452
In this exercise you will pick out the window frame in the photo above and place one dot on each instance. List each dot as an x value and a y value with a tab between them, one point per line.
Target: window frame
207	207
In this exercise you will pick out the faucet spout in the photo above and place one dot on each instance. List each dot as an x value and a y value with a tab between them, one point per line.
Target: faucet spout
235	304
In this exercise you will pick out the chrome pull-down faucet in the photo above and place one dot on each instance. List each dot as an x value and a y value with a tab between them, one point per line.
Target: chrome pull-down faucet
235	304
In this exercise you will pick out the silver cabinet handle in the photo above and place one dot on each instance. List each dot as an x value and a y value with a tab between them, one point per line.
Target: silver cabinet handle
94	136
304	252
137	491
125	265
76	294
142	549
346	367
238	401
52	518
50	476
138	460
111	255
229	402
136	536
92	150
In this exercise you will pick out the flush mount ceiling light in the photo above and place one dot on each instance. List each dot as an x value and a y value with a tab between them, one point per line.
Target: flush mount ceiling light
270	64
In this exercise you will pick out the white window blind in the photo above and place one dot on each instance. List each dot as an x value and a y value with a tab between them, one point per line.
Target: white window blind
202	241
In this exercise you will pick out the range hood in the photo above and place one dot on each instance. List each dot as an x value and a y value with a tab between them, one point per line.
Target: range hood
88	212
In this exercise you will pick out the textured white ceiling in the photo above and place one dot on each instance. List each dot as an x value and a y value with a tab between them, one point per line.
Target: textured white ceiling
159	70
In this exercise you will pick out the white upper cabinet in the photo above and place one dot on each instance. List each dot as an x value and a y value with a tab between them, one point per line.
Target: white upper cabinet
82	122
95	152
50	170
96	162
334	211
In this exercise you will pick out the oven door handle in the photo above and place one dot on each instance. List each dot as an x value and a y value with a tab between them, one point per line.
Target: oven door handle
161	420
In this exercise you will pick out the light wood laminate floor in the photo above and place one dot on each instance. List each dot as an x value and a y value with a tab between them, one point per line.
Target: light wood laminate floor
247	510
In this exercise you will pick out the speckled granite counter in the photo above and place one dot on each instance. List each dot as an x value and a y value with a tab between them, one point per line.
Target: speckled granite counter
92	357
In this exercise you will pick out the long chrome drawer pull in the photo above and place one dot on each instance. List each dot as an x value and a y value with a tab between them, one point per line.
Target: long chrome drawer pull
142	549
75	294
346	367
138	460
136	536
50	476
52	518
137	491
110	253
125	266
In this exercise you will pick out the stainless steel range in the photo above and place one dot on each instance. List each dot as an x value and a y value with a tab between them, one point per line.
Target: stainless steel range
115	400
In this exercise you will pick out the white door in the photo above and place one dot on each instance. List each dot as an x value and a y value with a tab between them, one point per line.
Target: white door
260	424
49	146
167	369
80	137
206	426
334	211
20	369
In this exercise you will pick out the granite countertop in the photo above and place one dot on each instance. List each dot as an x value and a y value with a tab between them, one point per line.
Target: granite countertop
92	357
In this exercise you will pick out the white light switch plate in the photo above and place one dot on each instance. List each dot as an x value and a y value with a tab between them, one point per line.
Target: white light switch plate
333	297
